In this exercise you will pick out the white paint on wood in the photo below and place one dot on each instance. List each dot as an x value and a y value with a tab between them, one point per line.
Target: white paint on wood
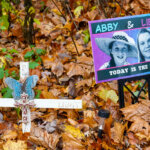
47	103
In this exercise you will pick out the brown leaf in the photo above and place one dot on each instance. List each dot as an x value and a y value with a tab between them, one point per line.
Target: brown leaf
89	118
72	122
88	82
41	137
71	48
142	136
11	145
40	148
45	27
47	95
144	4
47	61
147	148
132	139
113	85
35	72
87	100
140	126
71	143
9	135
106	146
137	110
4	126
117	132
92	14
72	89
57	69
85	60
17	31
78	69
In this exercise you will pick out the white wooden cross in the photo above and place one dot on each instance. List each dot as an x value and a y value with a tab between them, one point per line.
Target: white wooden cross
25	104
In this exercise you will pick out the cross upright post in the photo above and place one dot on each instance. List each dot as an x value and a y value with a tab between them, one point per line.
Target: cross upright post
26	114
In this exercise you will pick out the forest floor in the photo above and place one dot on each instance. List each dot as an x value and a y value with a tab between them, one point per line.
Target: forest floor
61	55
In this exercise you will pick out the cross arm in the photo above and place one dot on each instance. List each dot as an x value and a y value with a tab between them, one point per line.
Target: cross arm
46	103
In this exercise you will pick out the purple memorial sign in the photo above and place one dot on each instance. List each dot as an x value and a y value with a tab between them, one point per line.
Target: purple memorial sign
121	47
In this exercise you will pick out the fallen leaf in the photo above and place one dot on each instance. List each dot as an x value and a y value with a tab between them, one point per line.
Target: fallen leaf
56	11
2	62
11	145
144	4
140	126
72	89
78	69
72	122
89	118
137	110
57	69
47	61
142	136
47	95
85	60
17	31
9	135
35	72
106	146
4	126
108	94
72	48
117	132
85	82
75	132
41	137
92	14
40	148
147	148
113	85
77	11
71	143
132	138
87	100
45	27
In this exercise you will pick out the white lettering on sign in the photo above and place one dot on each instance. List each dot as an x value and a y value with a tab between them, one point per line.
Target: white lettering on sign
143	67
118	71
133	69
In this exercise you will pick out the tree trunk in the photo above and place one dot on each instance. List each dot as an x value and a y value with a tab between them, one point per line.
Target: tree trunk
28	23
0	8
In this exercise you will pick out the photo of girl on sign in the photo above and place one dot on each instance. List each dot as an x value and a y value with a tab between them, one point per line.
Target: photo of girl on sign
120	47
143	44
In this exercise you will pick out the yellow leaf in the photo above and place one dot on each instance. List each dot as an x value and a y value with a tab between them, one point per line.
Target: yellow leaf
19	145
142	136
125	89
68	25
111	94
9	134
56	11
108	94
31	10
102	94
75	132
2	62
77	11
106	146
40	148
